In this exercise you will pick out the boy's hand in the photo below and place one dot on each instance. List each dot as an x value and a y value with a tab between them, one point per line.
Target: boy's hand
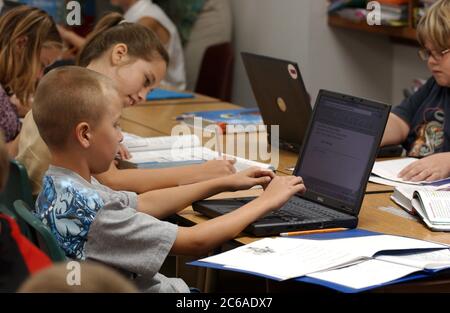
280	190
248	178
218	168
434	167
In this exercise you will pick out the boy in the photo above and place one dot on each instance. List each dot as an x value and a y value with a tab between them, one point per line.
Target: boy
91	221
419	121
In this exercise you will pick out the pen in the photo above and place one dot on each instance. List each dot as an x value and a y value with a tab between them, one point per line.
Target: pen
218	141
313	231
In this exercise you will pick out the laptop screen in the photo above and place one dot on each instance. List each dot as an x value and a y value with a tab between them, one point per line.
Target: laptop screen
343	138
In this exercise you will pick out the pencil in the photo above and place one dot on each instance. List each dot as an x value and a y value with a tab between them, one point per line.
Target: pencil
313	231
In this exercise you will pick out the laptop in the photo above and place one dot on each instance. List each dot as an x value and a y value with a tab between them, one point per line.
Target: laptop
337	157
281	96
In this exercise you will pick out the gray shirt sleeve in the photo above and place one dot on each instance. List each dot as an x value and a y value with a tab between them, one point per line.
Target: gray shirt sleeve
136	243
126	198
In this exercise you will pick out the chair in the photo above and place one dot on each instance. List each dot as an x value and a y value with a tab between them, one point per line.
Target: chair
216	72
17	188
42	235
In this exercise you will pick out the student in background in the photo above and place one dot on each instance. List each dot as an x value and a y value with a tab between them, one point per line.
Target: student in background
121	229
134	58
94	278
146	13
421	122
29	41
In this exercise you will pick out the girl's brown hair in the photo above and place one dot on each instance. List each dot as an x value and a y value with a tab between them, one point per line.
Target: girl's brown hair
18	73
112	29
434	26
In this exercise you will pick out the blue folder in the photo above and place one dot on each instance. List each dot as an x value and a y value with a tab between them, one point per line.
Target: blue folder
163	94
305	279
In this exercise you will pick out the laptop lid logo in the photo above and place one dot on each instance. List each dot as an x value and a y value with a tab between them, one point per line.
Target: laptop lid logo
281	104
292	71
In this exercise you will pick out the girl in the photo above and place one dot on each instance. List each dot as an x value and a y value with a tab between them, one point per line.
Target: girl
132	56
29	41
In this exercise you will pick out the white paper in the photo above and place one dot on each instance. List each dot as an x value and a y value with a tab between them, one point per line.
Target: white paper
365	274
437	259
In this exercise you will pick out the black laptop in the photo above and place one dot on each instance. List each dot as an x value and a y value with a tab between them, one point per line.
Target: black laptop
337	157
281	96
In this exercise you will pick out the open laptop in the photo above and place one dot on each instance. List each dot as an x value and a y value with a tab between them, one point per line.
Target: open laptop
281	96
337	157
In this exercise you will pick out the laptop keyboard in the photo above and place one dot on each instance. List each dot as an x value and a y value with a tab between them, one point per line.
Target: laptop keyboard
297	209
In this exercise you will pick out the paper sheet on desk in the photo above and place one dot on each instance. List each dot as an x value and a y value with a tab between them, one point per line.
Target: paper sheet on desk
387	173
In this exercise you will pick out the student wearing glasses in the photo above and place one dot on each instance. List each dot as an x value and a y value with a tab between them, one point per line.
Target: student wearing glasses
419	122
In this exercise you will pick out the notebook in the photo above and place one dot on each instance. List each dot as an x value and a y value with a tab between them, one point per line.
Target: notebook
163	94
281	96
335	163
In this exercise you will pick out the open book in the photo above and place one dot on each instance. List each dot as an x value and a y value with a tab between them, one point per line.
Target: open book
171	151
404	195
356	261
433	207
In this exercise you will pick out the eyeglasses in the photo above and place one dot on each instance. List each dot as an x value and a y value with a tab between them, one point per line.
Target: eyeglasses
424	54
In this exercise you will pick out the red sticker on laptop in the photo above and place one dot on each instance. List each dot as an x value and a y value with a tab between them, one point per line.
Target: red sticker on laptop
292	71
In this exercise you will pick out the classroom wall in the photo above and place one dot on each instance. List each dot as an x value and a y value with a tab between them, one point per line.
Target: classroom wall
406	66
352	62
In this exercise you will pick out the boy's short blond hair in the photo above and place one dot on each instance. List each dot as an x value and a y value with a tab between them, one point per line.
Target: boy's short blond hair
434	26
4	163
66	97
94	278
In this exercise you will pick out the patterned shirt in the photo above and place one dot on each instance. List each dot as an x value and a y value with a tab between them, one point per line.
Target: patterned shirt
68	205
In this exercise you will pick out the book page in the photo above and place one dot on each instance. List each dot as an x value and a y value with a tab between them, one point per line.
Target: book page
436	259
283	258
436	205
137	144
390	169
365	274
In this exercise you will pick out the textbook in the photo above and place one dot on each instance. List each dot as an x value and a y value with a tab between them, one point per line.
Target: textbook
349	261
164	94
230	121
171	151
433	207
403	195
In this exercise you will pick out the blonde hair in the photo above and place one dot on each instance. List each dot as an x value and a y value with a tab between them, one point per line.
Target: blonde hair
67	96
18	73
434	26
112	29
4	163
94	278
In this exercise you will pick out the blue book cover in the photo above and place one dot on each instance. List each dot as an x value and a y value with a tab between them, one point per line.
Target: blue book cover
228	117
163	94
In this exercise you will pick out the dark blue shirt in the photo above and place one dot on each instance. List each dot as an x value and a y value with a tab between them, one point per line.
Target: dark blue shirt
425	112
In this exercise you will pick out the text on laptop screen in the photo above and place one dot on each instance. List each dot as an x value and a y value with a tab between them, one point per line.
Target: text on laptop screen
339	147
